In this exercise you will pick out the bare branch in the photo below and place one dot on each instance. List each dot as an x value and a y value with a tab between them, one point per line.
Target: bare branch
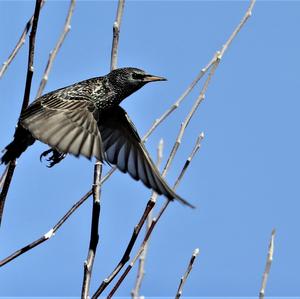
141	267
212	67
54	52
94	238
3	176
151	226
18	46
175	105
12	164
185	123
126	256
116	34
268	266
217	56
189	159
140	251
237	29
186	274
98	165
49	234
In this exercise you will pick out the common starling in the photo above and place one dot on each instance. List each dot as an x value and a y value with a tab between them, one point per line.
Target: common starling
85	119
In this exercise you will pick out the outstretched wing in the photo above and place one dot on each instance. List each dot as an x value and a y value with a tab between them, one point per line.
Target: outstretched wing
123	148
67	124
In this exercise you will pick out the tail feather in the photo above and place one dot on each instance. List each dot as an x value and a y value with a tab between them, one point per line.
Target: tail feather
22	139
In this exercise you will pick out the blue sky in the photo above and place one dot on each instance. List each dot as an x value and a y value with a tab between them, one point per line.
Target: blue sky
244	181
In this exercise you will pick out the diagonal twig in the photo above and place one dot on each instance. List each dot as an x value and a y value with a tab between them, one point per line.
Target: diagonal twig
203	71
19	44
187	120
177	103
126	256
215	59
198	101
30	70
141	267
146	238
190	158
268	266
140	251
137	229
58	45
49	234
187	273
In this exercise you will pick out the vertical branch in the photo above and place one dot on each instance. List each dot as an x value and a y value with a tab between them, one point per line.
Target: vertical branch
30	70
19	44
187	273
268	266
116	34
54	52
94	238
98	169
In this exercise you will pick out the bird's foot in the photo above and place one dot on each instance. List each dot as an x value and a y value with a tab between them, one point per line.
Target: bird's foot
55	158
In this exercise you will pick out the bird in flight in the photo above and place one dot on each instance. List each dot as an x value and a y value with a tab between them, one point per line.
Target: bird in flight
85	119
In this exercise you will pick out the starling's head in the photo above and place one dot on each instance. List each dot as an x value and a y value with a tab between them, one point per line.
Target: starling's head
128	80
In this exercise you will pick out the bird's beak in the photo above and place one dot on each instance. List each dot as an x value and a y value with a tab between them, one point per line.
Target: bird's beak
151	78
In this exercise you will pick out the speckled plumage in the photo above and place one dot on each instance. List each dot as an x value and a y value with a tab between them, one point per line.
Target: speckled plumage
85	119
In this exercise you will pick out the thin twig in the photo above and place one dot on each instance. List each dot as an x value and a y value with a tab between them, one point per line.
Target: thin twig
146	238
54	52
55	228
94	238
19	44
30	70
177	103
140	251
237	29
126	256
49	234
3	176
190	158
116	34
186	274
217	56
185	123
141	267
200	98
268	266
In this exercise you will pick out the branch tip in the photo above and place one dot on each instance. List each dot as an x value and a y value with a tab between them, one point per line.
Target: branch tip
49	234
196	252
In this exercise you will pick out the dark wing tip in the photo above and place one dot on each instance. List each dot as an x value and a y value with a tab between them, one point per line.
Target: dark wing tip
185	202
181	200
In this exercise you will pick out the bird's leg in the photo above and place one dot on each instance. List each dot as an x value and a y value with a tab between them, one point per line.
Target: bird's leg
54	159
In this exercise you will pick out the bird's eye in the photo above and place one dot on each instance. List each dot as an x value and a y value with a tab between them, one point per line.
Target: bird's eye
137	76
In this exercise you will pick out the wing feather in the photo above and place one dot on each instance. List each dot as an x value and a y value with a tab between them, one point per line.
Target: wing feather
66	124
123	148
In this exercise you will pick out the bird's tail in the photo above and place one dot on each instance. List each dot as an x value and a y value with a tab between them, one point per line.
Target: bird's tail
22	139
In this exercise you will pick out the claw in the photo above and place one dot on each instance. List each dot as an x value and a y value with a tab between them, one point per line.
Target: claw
55	158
